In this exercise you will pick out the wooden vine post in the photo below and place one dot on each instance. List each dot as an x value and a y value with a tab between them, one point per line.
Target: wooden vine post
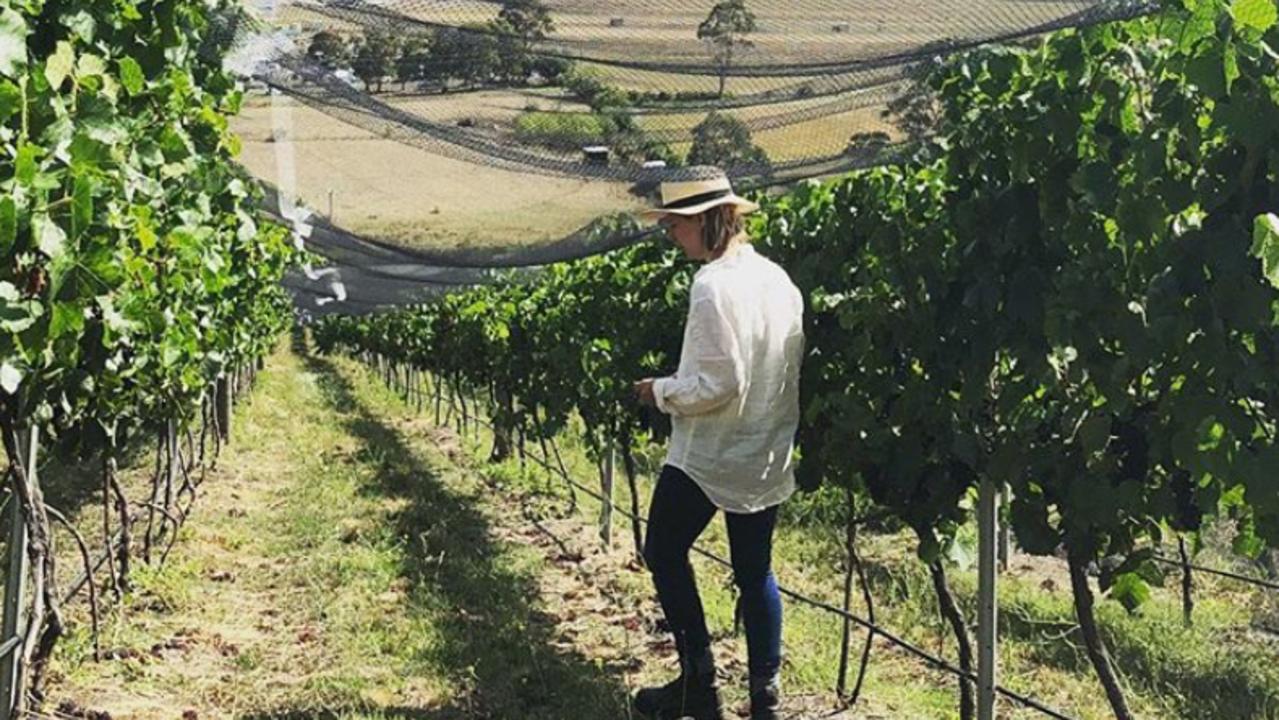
850	539
987	598
172	461
1187	585
39	630
15	595
637	529
1005	528
224	407
606	507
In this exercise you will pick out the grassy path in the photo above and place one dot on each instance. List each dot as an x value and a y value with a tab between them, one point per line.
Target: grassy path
348	559
333	569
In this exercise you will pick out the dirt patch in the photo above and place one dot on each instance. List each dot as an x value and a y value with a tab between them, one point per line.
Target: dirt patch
406	194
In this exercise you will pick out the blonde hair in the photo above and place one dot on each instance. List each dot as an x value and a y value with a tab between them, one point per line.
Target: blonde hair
719	225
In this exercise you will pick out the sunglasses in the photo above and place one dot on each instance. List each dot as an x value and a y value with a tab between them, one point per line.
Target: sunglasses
668	222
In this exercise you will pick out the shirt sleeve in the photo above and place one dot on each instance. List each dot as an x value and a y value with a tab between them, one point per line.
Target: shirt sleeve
712	371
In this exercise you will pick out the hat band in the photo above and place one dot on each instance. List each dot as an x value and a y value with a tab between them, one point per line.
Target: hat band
692	200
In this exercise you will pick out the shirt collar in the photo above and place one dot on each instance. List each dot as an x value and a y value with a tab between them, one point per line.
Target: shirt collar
742	251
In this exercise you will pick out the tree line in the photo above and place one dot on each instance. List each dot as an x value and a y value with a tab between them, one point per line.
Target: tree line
501	51
445	59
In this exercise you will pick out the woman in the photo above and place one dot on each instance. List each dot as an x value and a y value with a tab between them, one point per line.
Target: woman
734	407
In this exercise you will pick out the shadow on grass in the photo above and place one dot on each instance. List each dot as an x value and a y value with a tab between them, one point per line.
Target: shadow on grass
492	642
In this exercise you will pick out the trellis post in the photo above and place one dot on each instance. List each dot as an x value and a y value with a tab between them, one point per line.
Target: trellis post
222	404
16	589
1005	527
987	598
606	486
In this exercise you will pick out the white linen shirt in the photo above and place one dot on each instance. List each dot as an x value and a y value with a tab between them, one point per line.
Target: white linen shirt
734	402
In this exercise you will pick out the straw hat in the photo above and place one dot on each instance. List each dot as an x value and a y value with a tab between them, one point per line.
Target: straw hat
694	190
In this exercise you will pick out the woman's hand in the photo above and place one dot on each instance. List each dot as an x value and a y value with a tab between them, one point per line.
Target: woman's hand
644	392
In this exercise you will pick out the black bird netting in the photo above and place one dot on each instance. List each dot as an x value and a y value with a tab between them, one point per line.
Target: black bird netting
420	144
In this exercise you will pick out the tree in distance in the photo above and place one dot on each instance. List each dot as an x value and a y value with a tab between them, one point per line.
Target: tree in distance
329	49
725	30
723	140
375	59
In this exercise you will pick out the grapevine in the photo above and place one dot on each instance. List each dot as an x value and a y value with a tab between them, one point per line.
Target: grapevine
136	276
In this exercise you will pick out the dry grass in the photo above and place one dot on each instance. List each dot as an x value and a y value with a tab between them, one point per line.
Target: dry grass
391	190
798	30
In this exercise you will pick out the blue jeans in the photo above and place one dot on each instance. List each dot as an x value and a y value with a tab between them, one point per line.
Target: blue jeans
680	511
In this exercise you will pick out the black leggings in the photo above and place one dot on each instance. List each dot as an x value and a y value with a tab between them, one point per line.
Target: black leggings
679	513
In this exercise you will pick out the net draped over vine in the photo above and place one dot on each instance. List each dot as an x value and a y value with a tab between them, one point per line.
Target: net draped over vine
421	145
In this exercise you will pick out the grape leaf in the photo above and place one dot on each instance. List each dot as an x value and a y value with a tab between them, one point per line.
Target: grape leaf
49	237
13	42
1256	14
8	225
82	24
67	318
131	75
1230	65
1265	245
1130	590
59	64
10	100
10	377
81	205
90	65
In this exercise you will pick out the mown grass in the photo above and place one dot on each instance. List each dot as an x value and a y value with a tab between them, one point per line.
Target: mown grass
367	583
364	584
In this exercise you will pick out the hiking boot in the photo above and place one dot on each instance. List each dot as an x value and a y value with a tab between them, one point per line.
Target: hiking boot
693	694
766	697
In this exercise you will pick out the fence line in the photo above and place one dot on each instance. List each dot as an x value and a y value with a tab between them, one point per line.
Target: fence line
1259	582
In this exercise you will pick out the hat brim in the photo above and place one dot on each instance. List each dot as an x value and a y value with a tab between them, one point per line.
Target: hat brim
744	207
